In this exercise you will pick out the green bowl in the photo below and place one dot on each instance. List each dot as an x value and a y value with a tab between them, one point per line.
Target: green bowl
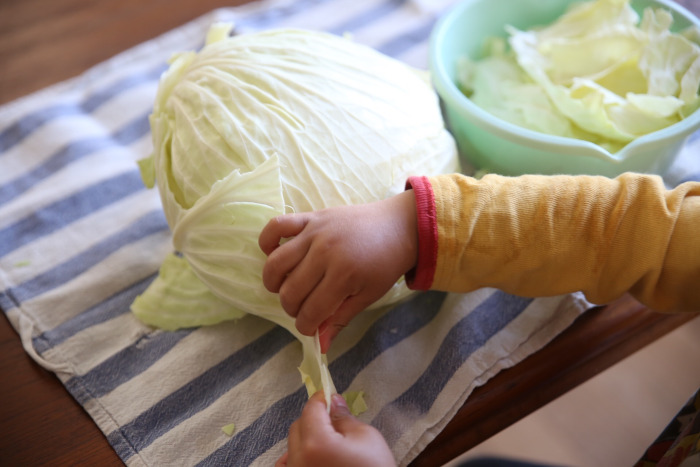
489	143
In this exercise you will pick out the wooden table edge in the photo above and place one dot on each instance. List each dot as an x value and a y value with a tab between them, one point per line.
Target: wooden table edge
598	339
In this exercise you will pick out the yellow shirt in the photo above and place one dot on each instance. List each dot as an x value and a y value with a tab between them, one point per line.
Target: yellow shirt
548	235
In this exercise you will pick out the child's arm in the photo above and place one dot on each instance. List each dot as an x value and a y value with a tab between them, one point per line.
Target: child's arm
337	439
529	235
338	261
547	235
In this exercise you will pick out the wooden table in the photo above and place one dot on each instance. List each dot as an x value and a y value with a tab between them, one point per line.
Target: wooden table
46	41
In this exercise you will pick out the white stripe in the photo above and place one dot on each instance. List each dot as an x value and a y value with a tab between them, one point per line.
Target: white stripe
242	405
400	21
127	105
416	56
119	270
192	356
13	314
56	134
34	151
269	457
42	255
325	16
71	180
434	7
688	162
113	335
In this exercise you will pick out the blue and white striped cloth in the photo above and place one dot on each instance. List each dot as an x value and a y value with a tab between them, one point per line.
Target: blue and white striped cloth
80	237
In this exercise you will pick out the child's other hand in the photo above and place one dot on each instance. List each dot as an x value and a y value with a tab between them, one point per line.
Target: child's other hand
337	440
338	261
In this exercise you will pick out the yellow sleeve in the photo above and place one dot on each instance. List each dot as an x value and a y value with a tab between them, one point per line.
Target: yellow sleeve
548	235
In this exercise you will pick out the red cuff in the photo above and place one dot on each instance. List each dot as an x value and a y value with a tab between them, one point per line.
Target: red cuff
421	277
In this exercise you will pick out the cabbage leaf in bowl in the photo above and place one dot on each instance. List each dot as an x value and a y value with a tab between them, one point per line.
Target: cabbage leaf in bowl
599	73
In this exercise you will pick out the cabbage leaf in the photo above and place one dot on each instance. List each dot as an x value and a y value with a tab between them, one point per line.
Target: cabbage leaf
598	73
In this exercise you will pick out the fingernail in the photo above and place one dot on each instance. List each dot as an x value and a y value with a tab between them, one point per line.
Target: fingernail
339	406
325	342
322	328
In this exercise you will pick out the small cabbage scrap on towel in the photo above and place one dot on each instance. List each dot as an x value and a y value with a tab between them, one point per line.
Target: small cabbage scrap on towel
599	73
262	124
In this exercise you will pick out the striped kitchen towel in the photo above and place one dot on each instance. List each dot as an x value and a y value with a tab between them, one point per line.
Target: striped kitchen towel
81	237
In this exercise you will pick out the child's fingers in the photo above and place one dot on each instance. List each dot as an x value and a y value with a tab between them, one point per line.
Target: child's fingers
315	421
342	420
300	283
329	335
282	261
322	302
280	227
332	326
282	461
325	336
294	442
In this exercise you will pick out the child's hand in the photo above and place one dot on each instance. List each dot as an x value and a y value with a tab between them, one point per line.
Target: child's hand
338	439
339	261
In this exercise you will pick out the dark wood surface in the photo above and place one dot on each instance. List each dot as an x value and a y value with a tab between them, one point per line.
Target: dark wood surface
46	41
597	340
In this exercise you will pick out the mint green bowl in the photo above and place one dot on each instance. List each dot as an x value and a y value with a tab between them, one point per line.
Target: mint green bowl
489	143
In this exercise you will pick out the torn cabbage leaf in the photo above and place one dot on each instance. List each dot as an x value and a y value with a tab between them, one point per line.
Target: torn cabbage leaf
356	402
262	124
229	429
598	73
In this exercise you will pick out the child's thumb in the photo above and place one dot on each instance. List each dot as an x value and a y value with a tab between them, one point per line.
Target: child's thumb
343	421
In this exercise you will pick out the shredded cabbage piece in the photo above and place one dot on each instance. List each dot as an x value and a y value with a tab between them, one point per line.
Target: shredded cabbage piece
599	73
356	402
229	429
257	125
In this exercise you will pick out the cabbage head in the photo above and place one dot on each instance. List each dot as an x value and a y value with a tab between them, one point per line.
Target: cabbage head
262	124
